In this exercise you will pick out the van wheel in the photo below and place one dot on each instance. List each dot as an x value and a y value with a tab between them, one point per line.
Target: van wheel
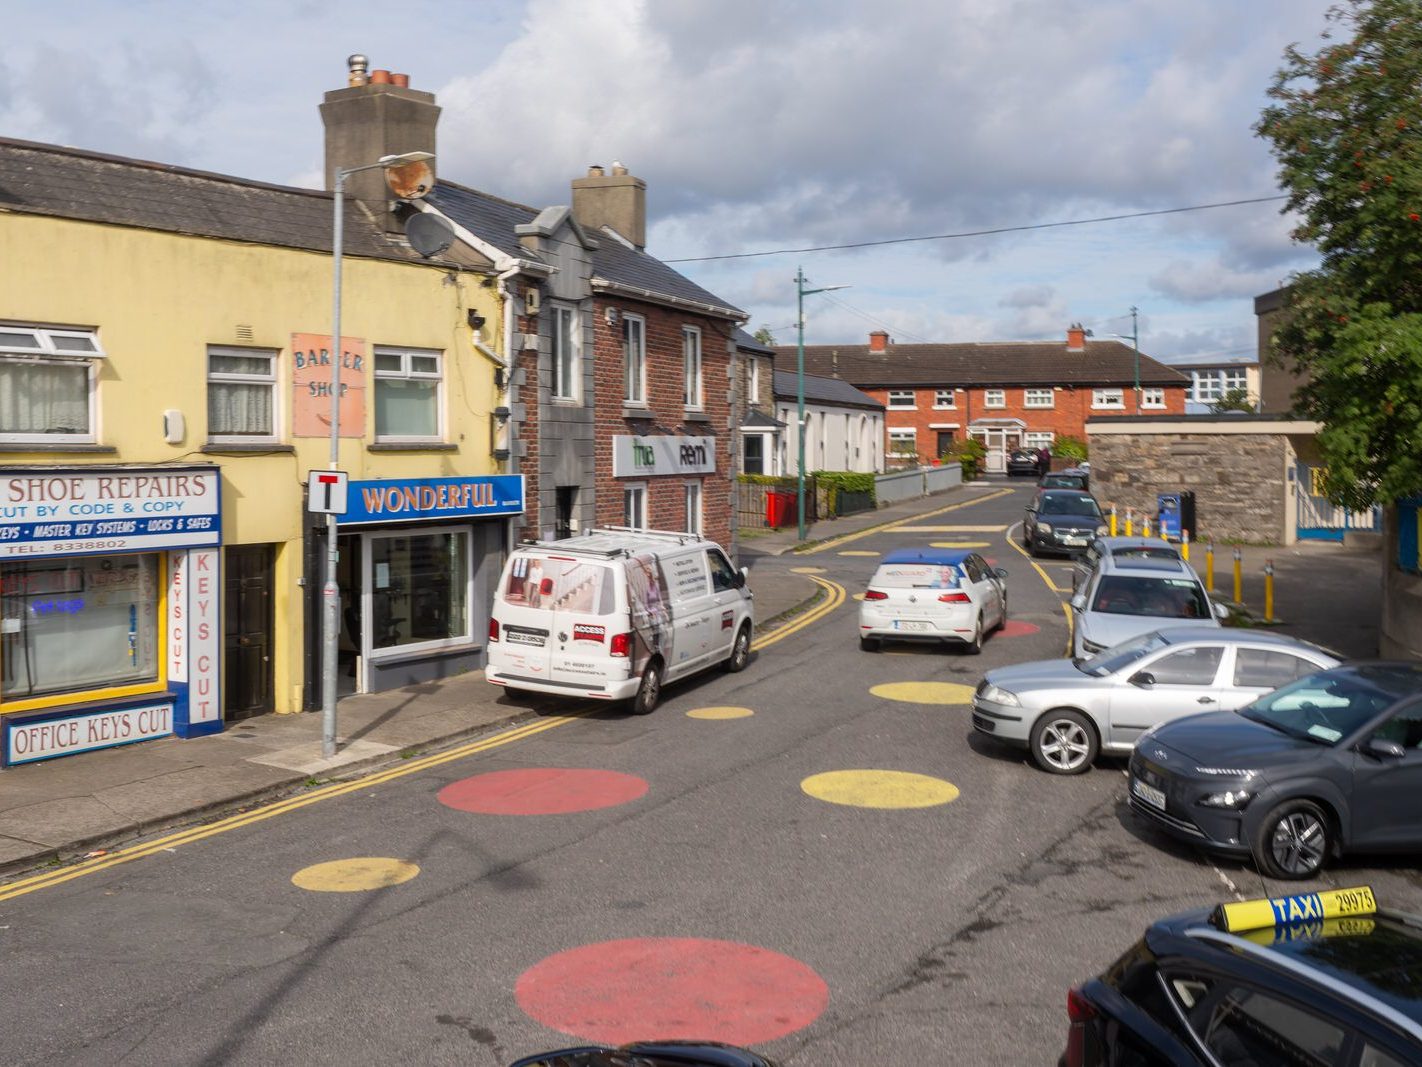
650	691
740	651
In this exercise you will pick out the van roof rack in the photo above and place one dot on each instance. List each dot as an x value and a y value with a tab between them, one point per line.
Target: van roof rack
610	542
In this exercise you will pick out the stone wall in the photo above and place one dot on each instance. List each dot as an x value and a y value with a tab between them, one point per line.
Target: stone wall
1239	479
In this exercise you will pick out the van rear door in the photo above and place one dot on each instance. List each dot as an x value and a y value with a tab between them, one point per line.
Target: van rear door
581	597
525	626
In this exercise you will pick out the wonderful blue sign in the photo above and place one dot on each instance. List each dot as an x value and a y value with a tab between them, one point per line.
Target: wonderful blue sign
429	499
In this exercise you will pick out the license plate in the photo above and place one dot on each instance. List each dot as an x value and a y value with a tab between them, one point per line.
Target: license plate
1151	795
1073	540
911	624
515	638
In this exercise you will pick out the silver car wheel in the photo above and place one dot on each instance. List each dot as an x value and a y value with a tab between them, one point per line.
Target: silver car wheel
1063	743
1298	843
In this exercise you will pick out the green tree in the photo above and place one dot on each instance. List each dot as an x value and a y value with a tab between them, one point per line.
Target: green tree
1344	126
764	336
1232	400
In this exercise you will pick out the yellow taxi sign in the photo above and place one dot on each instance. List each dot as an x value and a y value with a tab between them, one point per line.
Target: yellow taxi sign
1304	907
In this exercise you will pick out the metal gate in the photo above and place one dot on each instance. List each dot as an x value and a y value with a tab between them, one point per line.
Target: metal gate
1319	520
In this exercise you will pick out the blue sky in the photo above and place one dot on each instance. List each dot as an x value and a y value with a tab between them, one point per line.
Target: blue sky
762	126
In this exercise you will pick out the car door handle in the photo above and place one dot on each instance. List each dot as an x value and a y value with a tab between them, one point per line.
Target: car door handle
1205	700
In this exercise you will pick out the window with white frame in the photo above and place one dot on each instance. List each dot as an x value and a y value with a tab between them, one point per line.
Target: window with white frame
634	359
1204	386
692	496
900	399
1039	398
634	506
903	442
1038	438
1153	397
691	366
47	384
1108	398
241	394
1234	378
994	398
753	379
408	394
945	398
567	343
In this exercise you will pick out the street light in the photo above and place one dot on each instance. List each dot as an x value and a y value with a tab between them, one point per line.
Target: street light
331	591
800	293
1135	336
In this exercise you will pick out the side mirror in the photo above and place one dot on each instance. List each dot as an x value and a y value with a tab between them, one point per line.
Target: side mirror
1382	748
1143	679
1221	612
742	576
1000	572
1078	602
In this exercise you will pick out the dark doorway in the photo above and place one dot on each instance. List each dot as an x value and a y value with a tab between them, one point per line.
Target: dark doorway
349	647
247	631
567	504
945	442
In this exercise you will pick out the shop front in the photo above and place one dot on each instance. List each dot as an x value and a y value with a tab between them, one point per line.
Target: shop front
111	621
419	560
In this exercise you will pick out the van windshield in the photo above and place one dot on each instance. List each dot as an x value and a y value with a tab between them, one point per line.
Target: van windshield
559	583
915	576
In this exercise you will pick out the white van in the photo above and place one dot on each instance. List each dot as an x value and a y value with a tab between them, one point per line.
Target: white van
616	612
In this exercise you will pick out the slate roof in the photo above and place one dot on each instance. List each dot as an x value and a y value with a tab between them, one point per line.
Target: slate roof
988	363
822	390
750	344
42	179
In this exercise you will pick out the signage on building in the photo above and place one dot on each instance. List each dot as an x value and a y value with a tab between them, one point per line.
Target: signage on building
433	499
194	626
39	739
635	456
312	359
98	510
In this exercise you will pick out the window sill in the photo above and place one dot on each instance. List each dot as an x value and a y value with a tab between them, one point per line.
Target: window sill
238	448
696	416
632	412
411	446
35	446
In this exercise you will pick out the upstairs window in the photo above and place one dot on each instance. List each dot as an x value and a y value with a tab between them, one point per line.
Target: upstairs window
1107	398
563	376
634	359
408	386
1153	397
1039	398
47	384
945	398
241	394
691	367
995	398
901	399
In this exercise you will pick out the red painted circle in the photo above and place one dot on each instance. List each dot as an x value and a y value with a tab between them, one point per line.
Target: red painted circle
659	988
1016	628
541	791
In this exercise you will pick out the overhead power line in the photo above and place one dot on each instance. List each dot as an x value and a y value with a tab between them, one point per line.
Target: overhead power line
979	233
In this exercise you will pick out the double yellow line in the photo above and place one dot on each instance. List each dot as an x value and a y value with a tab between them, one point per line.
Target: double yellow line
835	542
171	842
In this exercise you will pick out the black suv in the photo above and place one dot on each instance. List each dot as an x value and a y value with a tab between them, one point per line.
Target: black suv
1023	461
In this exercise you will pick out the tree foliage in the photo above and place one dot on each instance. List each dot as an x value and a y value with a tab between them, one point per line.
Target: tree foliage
765	337
1345	125
1232	400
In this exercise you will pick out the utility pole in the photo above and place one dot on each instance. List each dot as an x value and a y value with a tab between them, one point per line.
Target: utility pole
1136	344
800	293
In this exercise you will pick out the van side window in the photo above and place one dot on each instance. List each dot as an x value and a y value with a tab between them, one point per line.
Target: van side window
723	575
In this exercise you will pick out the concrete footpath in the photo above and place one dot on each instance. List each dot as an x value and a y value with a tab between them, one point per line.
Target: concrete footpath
57	811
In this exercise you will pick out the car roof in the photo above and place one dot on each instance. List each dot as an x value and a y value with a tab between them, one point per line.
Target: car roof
1122	543
1145	568
1175	635
938	557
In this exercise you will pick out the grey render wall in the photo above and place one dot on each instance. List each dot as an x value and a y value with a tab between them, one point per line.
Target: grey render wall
1239	479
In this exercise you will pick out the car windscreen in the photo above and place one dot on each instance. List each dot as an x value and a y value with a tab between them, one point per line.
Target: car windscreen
1063	481
916	576
1323	707
1068	504
1163	598
559	583
1116	657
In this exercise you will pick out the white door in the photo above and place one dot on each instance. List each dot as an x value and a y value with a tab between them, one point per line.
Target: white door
692	609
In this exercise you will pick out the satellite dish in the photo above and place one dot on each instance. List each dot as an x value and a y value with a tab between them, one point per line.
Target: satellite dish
410	181
429	234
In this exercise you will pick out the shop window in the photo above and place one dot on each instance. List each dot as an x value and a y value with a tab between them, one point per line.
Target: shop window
1039	398
419	586
407	394
83	623
691	366
563	384
47	384
241	394
634	359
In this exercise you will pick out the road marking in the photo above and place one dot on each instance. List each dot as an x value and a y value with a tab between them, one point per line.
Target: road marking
949	529
835	542
961	544
719	713
925	692
859	552
819	611
542	791
1011	540
359	874
879	789
807	570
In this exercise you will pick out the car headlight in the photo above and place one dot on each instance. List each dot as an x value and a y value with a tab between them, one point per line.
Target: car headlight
1044	529
1230	799
998	695
1227	772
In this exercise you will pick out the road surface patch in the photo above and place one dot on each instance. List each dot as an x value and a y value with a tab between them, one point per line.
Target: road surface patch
614	992
719	713
880	789
1018	628
925	692
359	874
807	570
542	791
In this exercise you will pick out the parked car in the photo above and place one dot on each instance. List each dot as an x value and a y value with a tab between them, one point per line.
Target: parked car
1126	597
614	613
1330	762
1067	711
933	594
1023	461
1068	479
1319	978
1121	548
1061	520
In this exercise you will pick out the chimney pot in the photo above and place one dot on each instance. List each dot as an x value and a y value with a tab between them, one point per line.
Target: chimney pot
380	77
401	80
618	168
356	67
595	170
878	340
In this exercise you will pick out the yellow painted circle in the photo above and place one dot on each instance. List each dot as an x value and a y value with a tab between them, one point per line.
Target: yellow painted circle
807	570
719	713
962	544
355	875
925	692
880	789
858	552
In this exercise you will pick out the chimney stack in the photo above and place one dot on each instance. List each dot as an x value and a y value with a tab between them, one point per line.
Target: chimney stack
1076	338
375	115
617	201
878	341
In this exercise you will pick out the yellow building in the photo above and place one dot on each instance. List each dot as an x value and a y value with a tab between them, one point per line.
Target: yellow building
165	375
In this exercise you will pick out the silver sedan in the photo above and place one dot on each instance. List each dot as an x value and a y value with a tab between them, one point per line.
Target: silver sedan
1067	711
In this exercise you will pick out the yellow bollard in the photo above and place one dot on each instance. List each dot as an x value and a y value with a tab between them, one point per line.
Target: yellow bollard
1163	535
1145	525
1185	545
1210	568
1130	532
1268	590
1238	579
1113	520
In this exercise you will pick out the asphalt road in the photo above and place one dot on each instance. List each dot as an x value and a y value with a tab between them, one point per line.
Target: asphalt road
723	886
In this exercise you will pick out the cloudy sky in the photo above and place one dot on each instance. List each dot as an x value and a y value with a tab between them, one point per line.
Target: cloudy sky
766	125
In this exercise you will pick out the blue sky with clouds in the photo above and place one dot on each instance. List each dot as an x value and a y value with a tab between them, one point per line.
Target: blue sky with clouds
762	126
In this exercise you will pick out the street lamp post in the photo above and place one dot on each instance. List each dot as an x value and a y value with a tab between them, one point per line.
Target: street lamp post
800	293
331	591
1135	336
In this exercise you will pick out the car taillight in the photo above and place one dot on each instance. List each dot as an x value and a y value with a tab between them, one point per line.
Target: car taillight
874	594
1080	1011
621	645
493	629
955	598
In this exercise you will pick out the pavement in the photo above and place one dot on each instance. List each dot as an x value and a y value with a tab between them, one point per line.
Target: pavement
62	810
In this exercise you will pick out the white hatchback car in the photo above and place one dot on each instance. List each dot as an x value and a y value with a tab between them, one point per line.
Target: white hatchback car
933	594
